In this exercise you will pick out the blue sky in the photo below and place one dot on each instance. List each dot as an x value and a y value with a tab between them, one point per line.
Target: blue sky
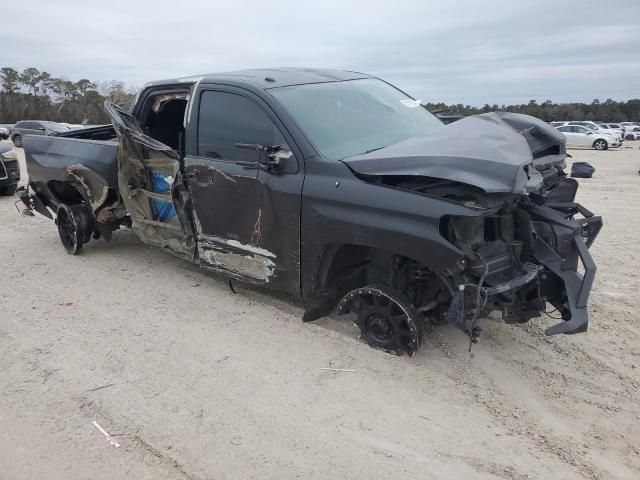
472	52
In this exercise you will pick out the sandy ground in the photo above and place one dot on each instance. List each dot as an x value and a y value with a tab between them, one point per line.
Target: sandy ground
199	383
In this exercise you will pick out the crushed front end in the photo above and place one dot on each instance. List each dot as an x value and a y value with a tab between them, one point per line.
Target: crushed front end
528	251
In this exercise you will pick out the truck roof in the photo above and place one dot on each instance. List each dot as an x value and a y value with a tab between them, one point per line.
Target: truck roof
268	77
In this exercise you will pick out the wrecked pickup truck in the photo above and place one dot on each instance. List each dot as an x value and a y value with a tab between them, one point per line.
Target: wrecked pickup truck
338	188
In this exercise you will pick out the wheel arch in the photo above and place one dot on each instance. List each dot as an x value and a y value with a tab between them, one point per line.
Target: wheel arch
341	267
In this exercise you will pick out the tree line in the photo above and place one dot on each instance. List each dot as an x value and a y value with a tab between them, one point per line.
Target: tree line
607	111
32	94
35	95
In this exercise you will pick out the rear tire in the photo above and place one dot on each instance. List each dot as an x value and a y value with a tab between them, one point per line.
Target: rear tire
630	137
17	140
75	226
600	144
8	191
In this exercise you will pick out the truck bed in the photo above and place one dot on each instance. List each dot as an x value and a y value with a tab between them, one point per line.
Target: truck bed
74	159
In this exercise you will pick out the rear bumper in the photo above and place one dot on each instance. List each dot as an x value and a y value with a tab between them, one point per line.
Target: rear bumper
33	202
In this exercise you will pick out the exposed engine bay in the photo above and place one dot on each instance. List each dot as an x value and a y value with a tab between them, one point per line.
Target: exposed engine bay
523	253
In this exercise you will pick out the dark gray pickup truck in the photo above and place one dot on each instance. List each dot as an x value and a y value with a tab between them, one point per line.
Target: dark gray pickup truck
339	189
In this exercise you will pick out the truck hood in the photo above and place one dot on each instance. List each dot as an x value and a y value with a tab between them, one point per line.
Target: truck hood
492	151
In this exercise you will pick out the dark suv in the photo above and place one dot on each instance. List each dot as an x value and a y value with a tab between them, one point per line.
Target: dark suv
34	127
9	170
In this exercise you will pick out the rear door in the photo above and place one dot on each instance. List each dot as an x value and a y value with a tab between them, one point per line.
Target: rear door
157	214
31	128
583	136
569	135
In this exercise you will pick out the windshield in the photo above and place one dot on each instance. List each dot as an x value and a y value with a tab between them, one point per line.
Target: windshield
56	127
356	116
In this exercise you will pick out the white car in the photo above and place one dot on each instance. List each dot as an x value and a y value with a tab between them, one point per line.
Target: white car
582	137
617	133
600	128
625	129
631	130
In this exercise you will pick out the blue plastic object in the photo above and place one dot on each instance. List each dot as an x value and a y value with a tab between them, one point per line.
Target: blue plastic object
164	209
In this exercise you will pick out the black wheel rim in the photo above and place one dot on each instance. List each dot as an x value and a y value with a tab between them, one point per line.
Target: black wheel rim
68	230
385	324
379	328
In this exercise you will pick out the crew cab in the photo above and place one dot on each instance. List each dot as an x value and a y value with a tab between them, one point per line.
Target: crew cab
337	188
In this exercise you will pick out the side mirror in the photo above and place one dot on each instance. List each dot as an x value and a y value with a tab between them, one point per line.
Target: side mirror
277	156
272	156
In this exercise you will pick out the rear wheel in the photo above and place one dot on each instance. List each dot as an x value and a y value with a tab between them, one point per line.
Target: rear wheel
630	137
386	320
600	144
75	226
17	140
8	191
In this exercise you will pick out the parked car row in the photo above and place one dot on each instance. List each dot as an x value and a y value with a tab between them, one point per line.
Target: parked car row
599	136
580	136
631	129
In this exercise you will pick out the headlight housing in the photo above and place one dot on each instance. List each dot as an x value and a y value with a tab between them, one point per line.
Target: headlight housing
10	155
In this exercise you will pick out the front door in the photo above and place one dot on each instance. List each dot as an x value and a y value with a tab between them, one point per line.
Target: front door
231	208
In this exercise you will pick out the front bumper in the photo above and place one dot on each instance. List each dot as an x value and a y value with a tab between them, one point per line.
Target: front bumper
551	264
9	172
565	262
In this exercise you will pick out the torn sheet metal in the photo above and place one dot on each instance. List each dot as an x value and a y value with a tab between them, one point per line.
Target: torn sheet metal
243	261
248	266
91	184
139	158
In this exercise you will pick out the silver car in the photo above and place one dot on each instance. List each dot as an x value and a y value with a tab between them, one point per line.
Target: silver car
34	127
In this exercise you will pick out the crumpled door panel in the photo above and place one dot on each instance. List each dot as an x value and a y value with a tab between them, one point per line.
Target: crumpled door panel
149	181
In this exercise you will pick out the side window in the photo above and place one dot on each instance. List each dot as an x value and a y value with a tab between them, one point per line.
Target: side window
226	119
581	130
565	129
